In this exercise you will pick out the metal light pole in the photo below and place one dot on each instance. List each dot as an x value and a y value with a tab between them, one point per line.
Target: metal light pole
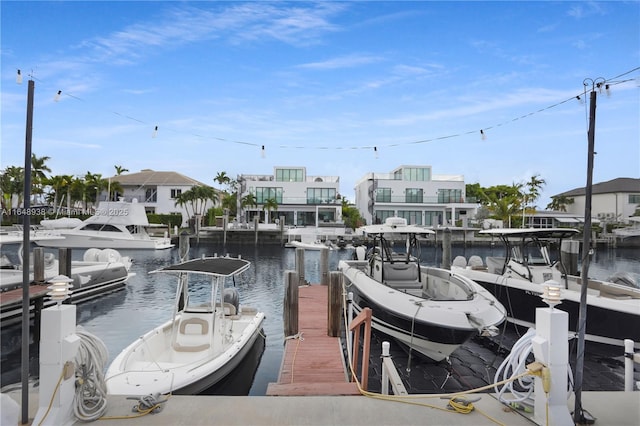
26	224
578	415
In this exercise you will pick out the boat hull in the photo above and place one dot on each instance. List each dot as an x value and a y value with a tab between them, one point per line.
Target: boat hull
433	328
609	320
103	240
195	376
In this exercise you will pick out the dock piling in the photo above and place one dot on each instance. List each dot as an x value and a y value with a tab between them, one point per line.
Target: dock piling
290	308
334	304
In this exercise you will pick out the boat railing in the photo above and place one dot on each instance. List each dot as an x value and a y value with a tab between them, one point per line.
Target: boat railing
630	358
363	319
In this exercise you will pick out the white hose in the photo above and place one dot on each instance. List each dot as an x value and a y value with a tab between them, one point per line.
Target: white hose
513	365
91	389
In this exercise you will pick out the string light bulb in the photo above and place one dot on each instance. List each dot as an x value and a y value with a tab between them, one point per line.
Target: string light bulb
57	97
155	132
19	77
262	153
607	90
482	135
375	151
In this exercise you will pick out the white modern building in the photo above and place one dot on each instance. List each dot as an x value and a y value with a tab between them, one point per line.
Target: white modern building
302	200
414	193
157	191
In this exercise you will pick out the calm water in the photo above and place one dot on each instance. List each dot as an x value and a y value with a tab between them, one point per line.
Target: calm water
147	301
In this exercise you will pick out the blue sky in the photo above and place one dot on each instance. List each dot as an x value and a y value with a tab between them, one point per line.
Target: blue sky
320	84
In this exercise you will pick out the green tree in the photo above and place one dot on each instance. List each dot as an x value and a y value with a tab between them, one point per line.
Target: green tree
560	203
12	181
38	175
59	188
120	170
533	186
269	205
351	215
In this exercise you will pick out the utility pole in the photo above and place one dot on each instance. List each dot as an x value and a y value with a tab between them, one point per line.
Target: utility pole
578	415
26	225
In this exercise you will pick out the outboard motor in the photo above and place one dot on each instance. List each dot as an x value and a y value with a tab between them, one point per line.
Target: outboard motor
232	296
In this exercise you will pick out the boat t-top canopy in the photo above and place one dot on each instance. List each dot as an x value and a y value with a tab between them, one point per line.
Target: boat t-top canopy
395	225
216	266
532	232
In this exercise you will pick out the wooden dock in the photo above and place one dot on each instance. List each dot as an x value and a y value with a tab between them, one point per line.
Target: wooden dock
313	363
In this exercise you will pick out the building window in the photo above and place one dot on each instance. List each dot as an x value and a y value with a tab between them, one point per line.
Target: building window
414	217
321	195
382	215
634	198
151	195
383	195
432	218
175	193
264	194
450	195
290	175
413	174
413	195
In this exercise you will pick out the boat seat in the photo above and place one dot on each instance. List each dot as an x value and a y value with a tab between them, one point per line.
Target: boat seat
194	326
475	262
400	272
193	335
404	285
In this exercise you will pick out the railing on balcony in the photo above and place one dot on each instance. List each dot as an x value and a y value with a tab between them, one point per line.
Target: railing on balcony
401	199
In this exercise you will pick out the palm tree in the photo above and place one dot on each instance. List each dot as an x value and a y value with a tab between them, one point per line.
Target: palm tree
120	170
12	182
222	178
270	204
93	185
38	176
534	185
60	185
197	199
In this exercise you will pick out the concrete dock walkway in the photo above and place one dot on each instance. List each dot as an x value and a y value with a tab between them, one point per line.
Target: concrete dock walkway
609	408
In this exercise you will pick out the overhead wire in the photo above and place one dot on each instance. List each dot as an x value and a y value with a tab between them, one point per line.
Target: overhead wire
481	131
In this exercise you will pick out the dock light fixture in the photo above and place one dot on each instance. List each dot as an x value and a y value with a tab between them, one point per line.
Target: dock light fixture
60	288
552	295
19	77
57	97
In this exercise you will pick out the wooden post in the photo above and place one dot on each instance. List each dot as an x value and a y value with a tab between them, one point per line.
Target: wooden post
300	266
324	266
281	223
334	310
64	262
290	308
446	249
225	223
38	265
256	219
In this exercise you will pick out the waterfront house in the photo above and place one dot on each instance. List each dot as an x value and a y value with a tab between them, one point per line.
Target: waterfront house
156	190
615	200
416	194
301	199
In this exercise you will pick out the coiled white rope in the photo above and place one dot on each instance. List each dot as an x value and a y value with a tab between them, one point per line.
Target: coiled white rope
91	389
514	364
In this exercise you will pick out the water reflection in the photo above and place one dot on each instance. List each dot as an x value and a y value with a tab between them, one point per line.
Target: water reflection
147	301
